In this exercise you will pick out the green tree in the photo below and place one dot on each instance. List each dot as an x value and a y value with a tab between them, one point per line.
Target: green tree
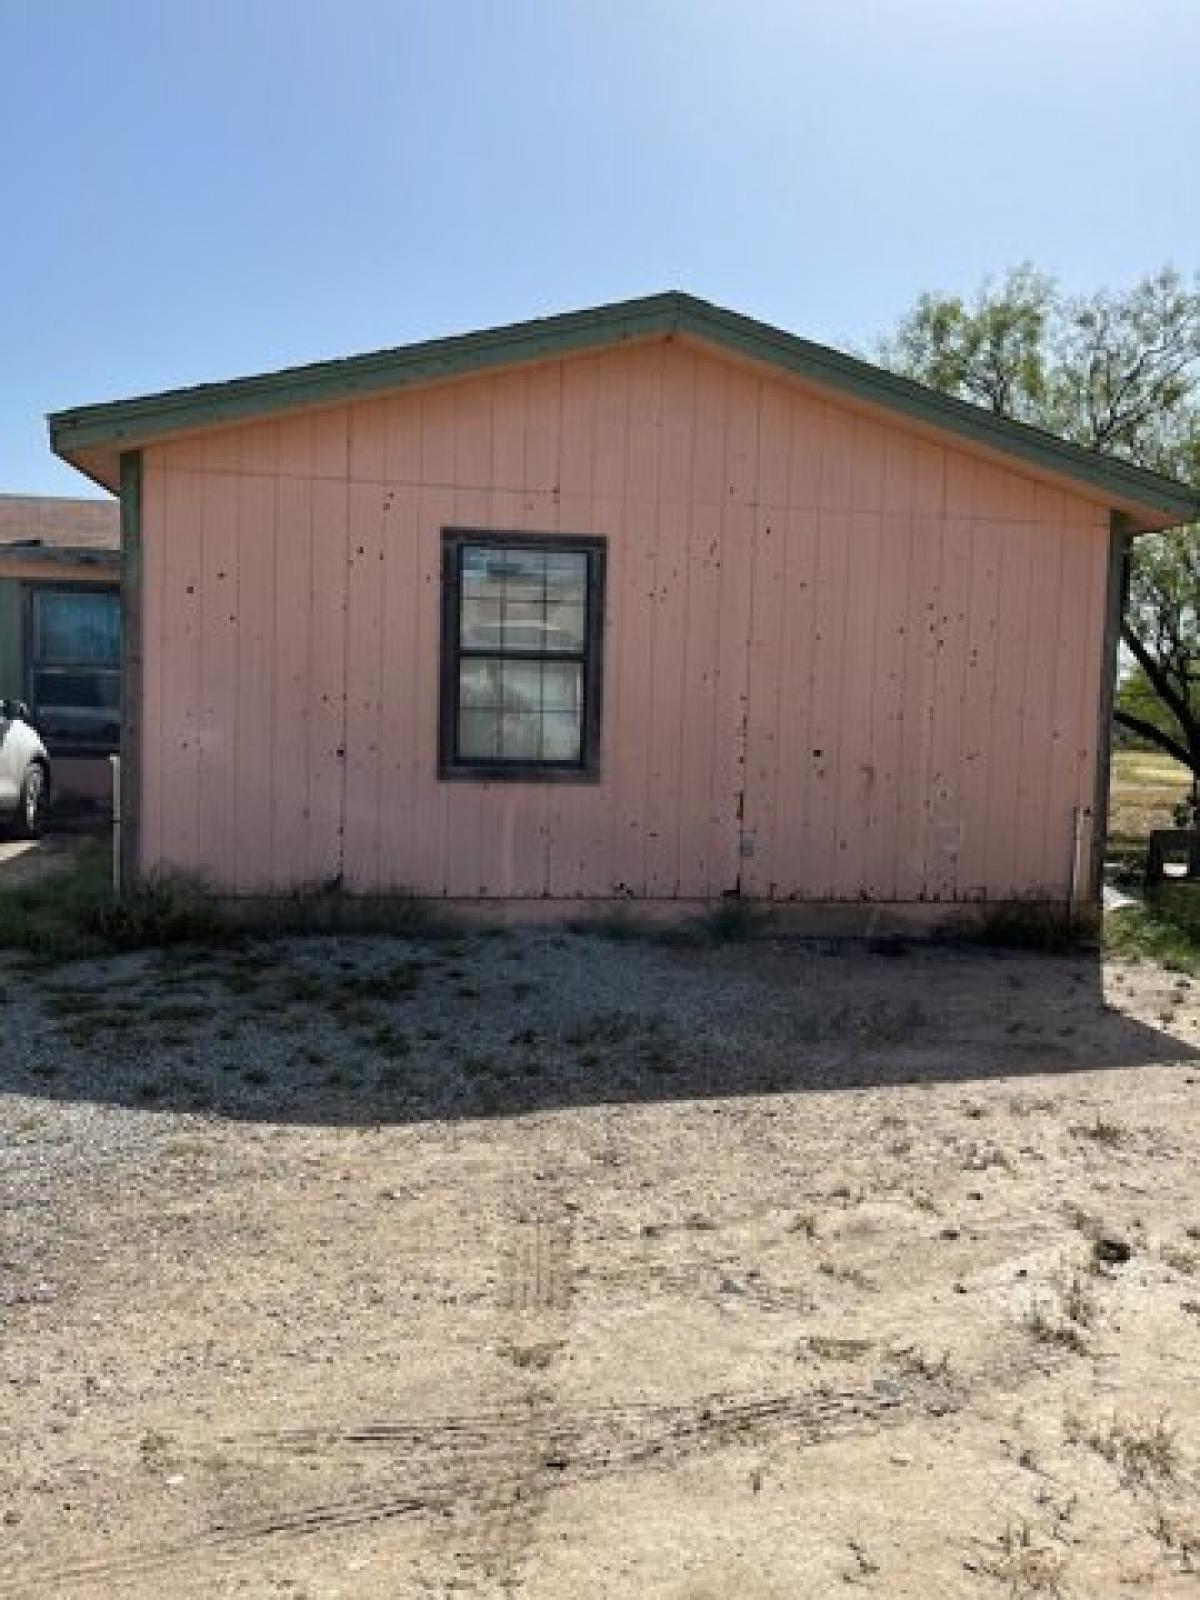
1159	698
1118	372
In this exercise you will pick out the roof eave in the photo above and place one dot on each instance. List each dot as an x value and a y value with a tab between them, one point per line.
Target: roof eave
92	438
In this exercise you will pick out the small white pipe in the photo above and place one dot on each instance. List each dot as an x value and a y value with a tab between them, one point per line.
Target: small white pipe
115	764
1080	816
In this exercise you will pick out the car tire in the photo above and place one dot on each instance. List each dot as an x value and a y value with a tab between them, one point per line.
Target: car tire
32	802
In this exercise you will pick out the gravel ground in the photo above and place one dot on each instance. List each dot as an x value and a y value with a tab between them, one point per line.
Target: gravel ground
542	1263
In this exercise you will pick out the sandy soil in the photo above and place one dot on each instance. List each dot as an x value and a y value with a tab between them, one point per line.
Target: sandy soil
568	1267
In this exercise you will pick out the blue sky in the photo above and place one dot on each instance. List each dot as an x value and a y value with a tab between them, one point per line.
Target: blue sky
198	188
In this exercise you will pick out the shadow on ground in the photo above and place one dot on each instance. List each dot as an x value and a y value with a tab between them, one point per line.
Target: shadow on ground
24	862
346	1031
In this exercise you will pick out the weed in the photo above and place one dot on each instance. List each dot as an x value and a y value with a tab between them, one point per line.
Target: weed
167	909
618	924
300	987
605	1027
535	1357
195	1087
74	915
935	1369
854	1276
828	1348
1033	925
238	980
1103	1130
888	1024
1029	1569
74	1002
388	1041
178	1011
389	984
1078	1301
1047	1328
1141	1448
476	1064
733	919
1179	1533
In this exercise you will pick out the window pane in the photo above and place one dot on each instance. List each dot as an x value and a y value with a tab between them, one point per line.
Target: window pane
479	735
524	576
566	600
562	685
524	625
78	707
480	684
482	623
566	576
77	629
523	686
560	736
521	736
479	576
565	627
95	690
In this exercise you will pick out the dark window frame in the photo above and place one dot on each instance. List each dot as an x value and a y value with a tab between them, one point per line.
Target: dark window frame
450	764
58	745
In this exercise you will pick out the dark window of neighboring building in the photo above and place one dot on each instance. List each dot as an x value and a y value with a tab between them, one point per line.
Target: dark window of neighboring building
75	667
522	624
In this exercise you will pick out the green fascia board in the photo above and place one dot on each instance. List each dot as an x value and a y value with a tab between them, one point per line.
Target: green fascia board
12	642
124	424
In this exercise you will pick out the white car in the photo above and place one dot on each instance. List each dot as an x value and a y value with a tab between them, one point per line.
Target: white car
24	770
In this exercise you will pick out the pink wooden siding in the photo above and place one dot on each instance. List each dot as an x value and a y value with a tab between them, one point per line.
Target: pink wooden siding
843	661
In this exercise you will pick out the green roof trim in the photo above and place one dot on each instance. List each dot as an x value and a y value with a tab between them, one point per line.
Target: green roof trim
125	424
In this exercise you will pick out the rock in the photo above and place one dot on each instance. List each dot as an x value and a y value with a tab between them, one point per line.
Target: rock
1109	1248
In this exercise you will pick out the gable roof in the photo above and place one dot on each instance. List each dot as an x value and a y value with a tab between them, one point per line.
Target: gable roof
33	523
92	437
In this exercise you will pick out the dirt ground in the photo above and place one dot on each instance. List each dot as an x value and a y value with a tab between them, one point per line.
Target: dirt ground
548	1265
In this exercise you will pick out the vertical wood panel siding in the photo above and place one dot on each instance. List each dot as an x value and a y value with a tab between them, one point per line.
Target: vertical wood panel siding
842	662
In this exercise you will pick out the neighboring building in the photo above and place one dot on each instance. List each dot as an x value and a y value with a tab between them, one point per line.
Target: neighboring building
649	602
60	630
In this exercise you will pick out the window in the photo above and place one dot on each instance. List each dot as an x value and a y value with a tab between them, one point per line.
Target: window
522	619
75	667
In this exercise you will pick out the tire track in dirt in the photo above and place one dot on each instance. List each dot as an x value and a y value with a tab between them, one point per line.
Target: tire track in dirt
492	1541
499	1467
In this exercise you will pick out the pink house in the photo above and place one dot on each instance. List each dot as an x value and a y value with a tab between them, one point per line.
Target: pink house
649	602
